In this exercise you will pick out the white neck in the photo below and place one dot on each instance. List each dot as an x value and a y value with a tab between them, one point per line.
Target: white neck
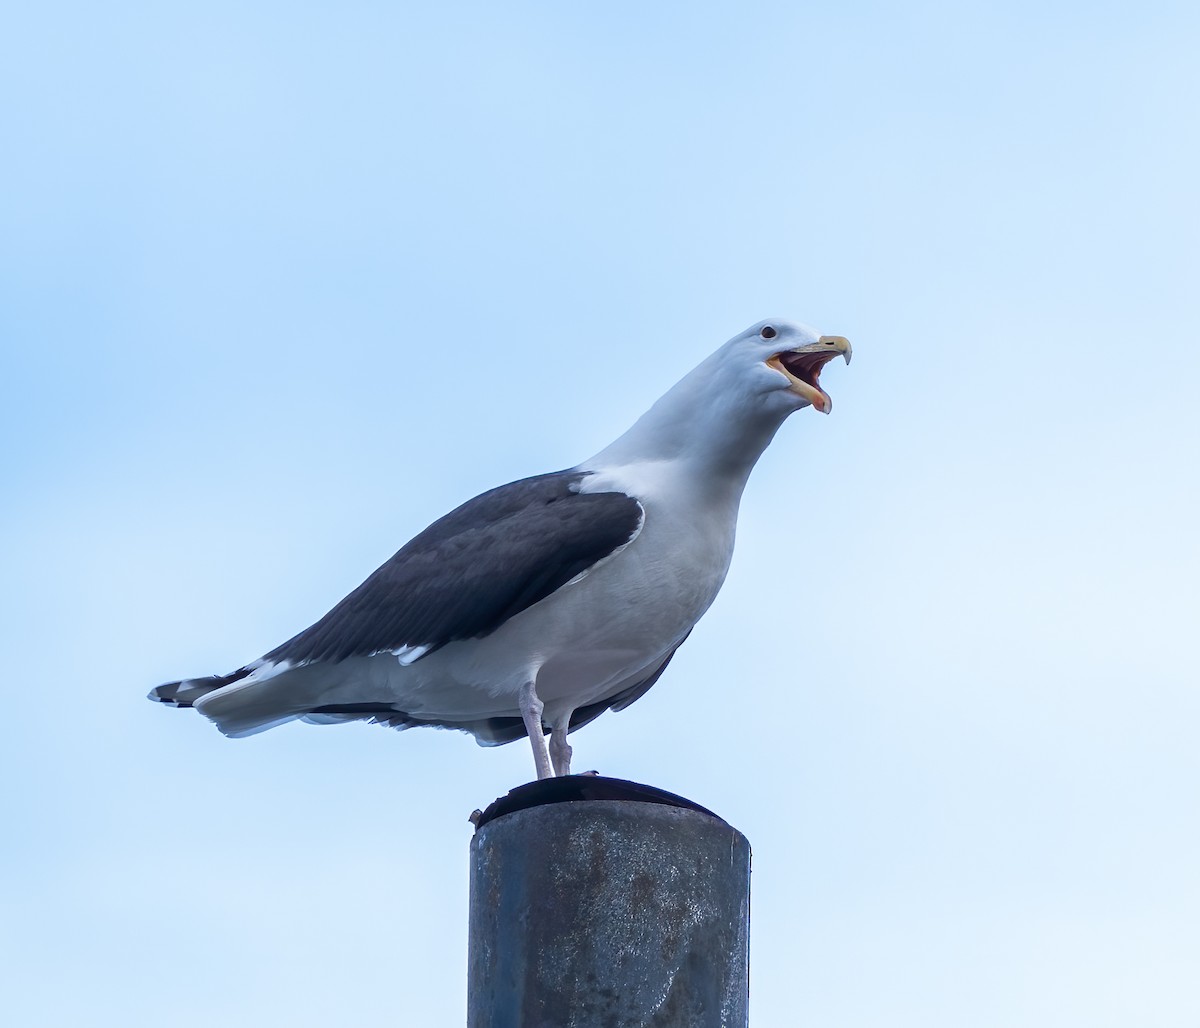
697	422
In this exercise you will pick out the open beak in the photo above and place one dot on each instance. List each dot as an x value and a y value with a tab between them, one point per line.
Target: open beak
802	368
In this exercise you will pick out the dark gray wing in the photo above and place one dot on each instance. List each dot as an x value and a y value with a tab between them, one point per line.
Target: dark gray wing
473	569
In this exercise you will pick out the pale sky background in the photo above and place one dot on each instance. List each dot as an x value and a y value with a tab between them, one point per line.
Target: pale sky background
281	283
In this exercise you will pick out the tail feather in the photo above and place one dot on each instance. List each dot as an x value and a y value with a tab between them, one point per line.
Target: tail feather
270	695
254	698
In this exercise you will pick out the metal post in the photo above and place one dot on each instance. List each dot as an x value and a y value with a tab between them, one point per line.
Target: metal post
598	903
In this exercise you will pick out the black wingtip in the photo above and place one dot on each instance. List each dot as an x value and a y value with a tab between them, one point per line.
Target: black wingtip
185	691
168	694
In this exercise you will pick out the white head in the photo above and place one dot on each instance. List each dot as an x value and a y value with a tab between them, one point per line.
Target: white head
778	364
724	412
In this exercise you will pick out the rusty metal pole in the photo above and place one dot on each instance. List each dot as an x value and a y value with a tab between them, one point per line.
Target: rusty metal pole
597	902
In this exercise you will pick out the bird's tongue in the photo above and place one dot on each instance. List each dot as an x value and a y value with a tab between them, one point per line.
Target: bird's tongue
807	367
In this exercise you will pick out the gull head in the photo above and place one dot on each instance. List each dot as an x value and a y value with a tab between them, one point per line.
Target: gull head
784	361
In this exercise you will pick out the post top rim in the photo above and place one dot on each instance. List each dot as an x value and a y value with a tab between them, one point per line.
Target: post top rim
582	788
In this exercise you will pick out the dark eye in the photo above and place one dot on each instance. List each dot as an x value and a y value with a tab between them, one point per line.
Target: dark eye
768	332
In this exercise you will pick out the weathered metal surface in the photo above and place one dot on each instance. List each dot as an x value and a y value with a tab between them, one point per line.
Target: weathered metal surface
608	913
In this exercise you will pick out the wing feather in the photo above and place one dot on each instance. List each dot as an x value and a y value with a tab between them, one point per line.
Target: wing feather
473	569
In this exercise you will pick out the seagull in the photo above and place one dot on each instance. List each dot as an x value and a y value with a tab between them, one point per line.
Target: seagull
537	606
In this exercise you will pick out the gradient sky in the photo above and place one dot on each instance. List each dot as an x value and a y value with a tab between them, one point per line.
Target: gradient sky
281	283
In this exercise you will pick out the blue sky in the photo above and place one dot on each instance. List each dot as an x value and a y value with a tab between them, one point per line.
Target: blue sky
280	284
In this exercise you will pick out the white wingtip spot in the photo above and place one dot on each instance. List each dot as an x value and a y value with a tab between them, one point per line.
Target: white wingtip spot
410	654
